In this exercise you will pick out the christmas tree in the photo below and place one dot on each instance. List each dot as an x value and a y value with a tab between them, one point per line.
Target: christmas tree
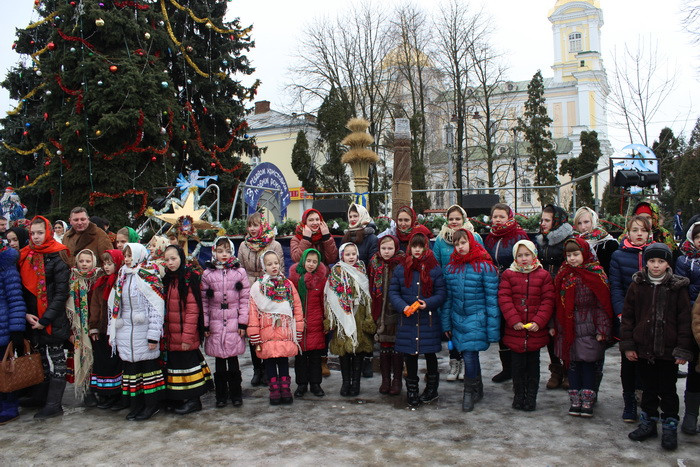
115	98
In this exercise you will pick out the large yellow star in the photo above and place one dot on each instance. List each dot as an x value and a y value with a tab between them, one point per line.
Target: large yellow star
186	209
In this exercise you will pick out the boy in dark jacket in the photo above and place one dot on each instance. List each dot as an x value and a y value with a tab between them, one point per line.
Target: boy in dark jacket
656	332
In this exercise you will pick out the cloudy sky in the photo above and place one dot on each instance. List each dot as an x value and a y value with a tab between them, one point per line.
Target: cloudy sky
522	32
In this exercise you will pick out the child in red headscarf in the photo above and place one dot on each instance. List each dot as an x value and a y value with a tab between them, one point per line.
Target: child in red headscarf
313	232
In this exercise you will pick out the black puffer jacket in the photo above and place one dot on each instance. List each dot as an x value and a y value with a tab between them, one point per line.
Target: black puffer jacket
550	248
57	280
368	246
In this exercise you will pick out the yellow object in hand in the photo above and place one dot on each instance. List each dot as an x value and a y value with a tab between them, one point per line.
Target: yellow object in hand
528	326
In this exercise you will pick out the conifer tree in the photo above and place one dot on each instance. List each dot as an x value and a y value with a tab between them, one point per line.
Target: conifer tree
332	117
302	163
585	163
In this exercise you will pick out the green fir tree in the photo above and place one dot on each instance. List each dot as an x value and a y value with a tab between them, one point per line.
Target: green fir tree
585	163
302	164
332	117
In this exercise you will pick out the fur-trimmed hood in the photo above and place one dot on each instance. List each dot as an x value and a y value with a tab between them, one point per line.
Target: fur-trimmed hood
557	235
673	281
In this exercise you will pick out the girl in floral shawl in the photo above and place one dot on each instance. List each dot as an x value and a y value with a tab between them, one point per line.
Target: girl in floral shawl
82	278
659	233
348	314
156	250
587	226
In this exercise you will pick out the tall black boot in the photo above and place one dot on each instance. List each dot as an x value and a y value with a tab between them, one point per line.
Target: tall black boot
235	390
259	376
690	419
412	395
221	388
385	368
356	375
346	373
431	388
301	374
469	394
531	388
53	407
37	395
504	375
367	370
137	404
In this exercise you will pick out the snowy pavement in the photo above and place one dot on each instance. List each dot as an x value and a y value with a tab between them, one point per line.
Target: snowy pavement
370	430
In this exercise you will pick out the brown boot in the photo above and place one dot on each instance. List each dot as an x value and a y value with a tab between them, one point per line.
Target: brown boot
555	379
385	368
397	370
565	382
325	371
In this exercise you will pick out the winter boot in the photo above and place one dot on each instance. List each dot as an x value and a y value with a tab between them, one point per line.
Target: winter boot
356	375
565	382
518	394
531	388
346	373
430	393
412	396
122	403
367	371
575	398
453	372
285	391
151	410
257	379
587	398
274	386
469	394
301	390
136	404
221	388
629	413
669	434
234	388
90	399
259	376
37	395
189	406
479	389
9	408
646	429
325	371
690	419
397	370
53	407
556	377
106	402
504	375
316	390
385	368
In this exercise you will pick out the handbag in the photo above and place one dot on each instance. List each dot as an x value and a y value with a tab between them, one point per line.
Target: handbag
20	372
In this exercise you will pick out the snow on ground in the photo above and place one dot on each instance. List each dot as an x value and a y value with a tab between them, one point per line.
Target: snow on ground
370	430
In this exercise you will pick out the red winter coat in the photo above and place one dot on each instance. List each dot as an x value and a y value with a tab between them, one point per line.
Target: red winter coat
181	325
526	298
313	338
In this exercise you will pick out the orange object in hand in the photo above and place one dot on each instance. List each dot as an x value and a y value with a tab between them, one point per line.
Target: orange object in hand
412	308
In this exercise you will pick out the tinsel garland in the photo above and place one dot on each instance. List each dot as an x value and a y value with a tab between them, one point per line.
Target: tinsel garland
209	21
78	92
216	149
143	194
39	23
130	3
66	37
29	95
133	147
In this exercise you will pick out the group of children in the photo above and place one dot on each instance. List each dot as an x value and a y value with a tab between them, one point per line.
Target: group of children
137	322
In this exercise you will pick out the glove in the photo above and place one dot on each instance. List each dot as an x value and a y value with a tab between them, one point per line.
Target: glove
17	339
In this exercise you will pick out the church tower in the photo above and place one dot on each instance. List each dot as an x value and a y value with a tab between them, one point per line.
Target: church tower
576	28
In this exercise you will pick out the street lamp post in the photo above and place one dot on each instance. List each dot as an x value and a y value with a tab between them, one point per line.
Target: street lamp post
449	145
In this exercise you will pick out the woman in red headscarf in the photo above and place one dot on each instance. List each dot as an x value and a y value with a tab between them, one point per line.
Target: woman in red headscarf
407	224
313	232
43	266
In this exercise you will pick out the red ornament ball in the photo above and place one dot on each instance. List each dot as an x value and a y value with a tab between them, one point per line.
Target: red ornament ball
51	46
113	68
25	133
154	158
213	164
47	163
72	3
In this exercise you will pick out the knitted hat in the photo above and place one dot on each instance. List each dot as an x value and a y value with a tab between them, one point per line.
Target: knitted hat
658	250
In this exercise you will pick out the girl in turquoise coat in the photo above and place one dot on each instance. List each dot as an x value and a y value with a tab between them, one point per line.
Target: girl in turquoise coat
470	316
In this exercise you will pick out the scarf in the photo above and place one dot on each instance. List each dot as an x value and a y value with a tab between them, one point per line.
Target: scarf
362	221
509	229
158	244
423	265
274	296
147	281
591	273
262	239
597	234
659	233
346	289
477	257
301	270
108	281
299	231
688	247
559	218
377	266
230	263
277	289
133	236
514	266
78	309
446	232
59	238
31	267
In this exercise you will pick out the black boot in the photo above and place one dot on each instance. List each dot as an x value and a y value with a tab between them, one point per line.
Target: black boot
259	377
53	407
346	373
669	435
504	375
37	395
690	419
301	374
357	362
190	405
412	396
221	388
385	368
518	393
301	390
137	405
234	387
531	388
122	403
316	390
367	371
107	402
148	412
629	413
646	429
469	394
431	388
90	399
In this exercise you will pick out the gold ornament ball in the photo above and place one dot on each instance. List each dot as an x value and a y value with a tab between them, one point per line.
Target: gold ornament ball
184	142
147	35
80	150
98	132
228	121
209	25
99	22
67	123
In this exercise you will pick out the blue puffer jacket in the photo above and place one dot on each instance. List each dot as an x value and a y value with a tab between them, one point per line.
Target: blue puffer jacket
419	333
443	250
12	308
471	311
502	251
690	268
623	264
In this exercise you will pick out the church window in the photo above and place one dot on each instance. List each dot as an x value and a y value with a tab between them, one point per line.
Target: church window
439	197
575	42
526	193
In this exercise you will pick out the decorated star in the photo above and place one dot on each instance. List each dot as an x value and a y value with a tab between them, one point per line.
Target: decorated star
192	182
184	210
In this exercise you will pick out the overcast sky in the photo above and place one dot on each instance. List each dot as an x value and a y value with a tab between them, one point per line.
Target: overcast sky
522	31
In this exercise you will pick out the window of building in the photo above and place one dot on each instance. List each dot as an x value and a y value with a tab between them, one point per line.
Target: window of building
575	42
480	184
526	193
439	197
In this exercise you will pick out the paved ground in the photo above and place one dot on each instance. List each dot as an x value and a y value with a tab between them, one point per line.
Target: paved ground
370	430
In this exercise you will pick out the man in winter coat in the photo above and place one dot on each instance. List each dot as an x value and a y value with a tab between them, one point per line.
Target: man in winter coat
83	234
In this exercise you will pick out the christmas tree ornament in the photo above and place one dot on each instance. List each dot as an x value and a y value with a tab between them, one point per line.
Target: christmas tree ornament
51	46
228	121
99	22
225	62
113	68
72	3
72	49
172	154
154	158
164	84
99	83
80	150
25	133
27	124
189	48
213	165
46	116
47	163
209	25
189	81
98	132
59	152
38	72
161	23
163	130
147	35
67	123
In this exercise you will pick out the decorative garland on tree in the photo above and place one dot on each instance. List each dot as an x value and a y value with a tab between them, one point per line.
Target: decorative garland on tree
29	95
216	149
78	92
143	194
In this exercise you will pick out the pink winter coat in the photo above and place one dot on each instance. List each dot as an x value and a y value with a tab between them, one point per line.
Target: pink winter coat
275	339
225	301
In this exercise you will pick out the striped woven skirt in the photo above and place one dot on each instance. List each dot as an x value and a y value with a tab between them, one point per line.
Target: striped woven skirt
106	376
187	375
144	378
